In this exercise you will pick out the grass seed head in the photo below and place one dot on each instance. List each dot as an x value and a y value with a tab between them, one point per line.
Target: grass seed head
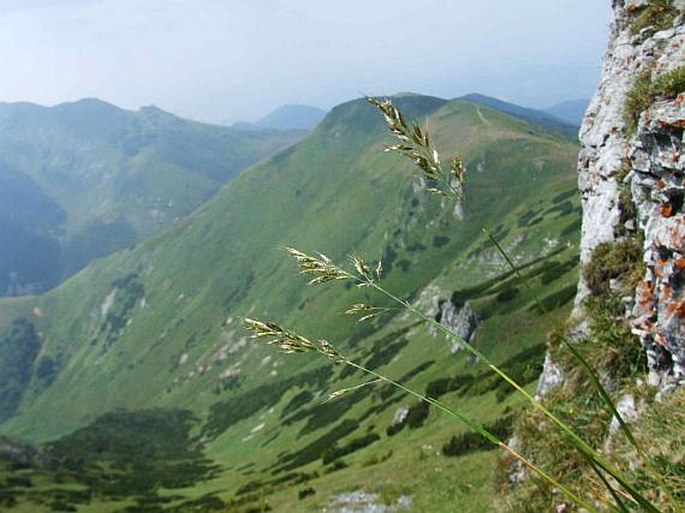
361	267
320	267
286	341
416	145
339	393
359	307
290	342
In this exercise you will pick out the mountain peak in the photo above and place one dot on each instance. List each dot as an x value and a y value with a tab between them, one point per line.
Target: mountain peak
89	104
292	117
360	115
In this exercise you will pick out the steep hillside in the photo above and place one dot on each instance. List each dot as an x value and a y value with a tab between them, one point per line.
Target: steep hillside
158	326
88	178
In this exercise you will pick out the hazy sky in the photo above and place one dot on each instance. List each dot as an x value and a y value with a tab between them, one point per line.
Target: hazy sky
238	59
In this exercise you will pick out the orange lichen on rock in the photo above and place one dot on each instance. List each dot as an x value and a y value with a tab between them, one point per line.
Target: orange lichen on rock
680	310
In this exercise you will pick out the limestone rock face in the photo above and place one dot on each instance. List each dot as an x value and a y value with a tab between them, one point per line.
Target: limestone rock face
649	161
606	143
658	186
461	320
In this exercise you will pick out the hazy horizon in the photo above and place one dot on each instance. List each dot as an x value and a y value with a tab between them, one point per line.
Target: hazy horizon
239	60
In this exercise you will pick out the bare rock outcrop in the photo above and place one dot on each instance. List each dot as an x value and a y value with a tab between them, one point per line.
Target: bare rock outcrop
648	162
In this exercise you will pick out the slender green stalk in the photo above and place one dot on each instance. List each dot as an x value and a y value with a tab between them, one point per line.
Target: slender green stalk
481	431
581	444
592	375
589	371
290	342
621	506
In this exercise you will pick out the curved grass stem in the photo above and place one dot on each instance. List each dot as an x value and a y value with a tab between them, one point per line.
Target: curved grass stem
589	453
478	428
592	375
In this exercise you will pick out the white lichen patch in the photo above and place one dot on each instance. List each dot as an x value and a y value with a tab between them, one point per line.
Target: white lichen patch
359	501
107	303
258	428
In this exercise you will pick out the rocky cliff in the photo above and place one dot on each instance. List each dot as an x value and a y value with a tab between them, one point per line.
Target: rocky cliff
632	179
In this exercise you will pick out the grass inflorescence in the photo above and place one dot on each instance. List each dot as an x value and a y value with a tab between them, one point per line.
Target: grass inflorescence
416	145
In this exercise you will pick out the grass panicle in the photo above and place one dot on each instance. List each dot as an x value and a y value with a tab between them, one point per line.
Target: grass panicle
416	145
289	342
320	267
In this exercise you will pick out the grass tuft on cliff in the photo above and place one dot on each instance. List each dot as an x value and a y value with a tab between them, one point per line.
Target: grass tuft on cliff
657	15
646	91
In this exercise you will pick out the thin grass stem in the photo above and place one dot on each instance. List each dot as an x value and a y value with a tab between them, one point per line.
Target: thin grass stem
480	430
291	342
583	446
592	375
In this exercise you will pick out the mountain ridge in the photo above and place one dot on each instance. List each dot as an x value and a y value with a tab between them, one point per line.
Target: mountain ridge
536	117
336	120
117	176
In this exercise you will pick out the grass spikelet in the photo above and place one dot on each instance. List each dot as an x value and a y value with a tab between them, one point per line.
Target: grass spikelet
321	268
290	342
343	391
361	267
369	311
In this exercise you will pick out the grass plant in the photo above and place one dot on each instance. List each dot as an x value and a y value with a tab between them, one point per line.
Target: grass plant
622	492
645	90
656	15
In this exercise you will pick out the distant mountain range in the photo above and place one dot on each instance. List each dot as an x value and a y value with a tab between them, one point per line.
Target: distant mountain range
287	117
571	111
81	180
538	118
305	117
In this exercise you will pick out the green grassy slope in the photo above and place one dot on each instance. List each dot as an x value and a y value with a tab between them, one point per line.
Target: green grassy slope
158	326
115	177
